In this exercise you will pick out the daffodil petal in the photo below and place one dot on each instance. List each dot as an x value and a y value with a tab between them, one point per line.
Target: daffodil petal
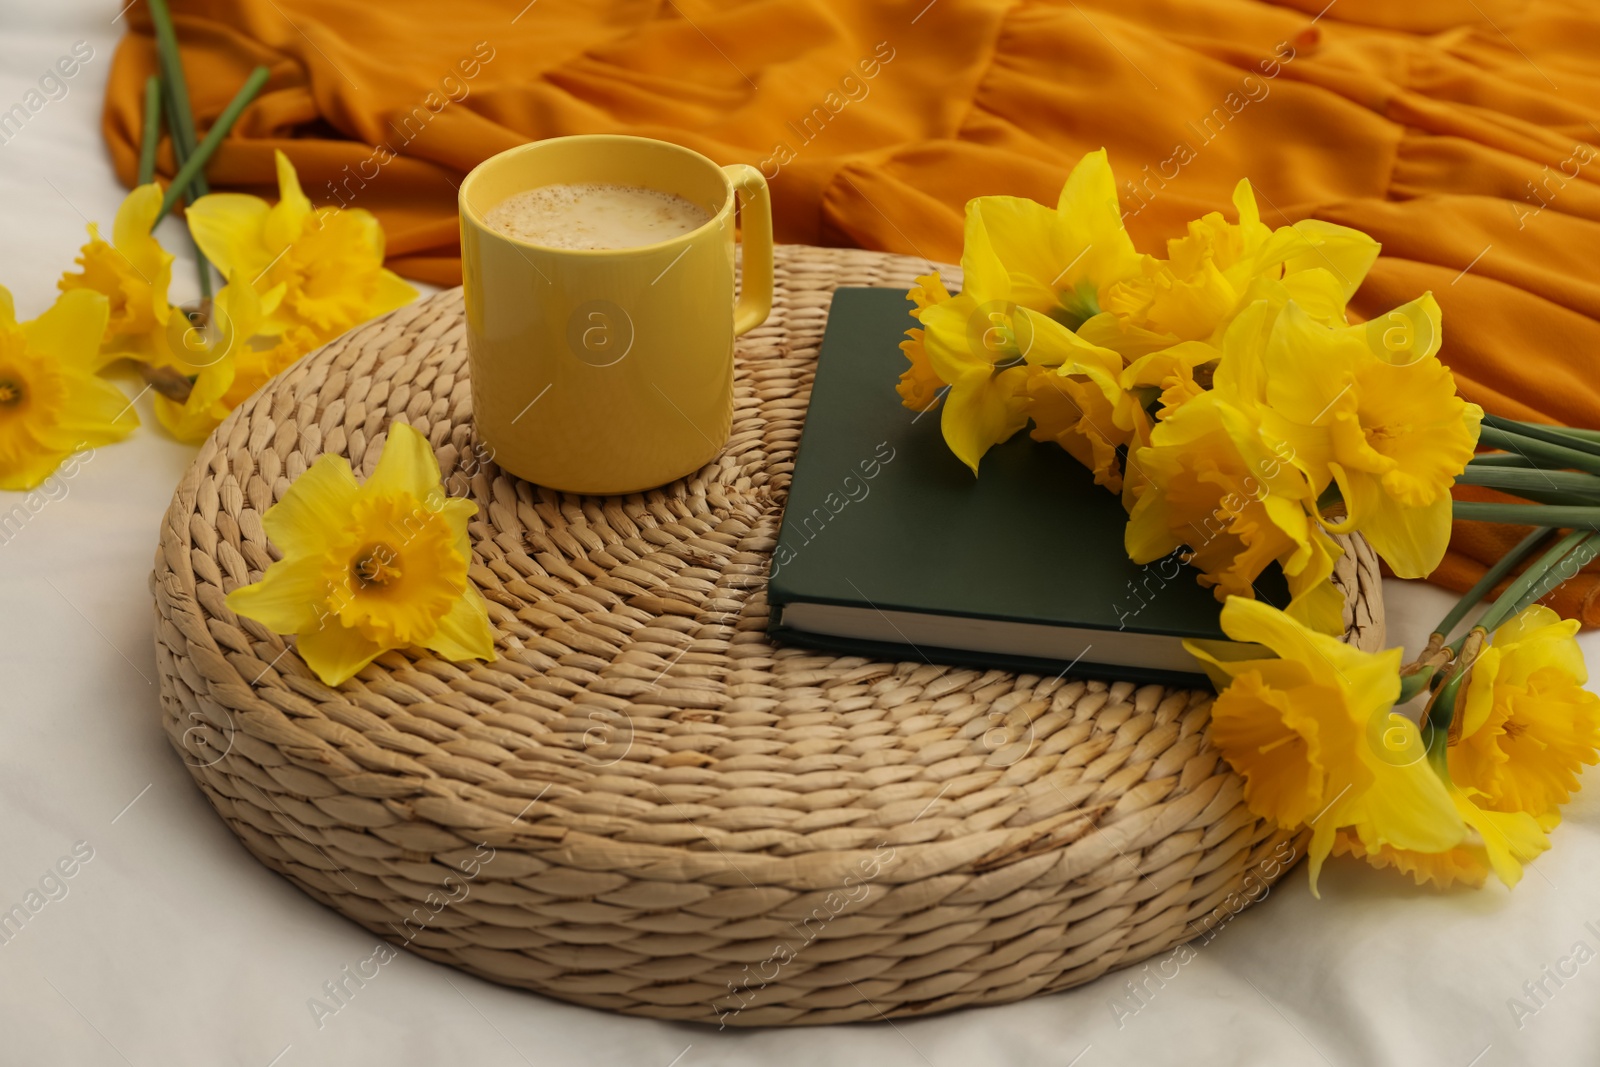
393	292
980	412
1044	342
1332	661
316	505
1511	838
1318	293
95	413
130	234
464	632
1410	333
1529	621
285	599
1411	540
228	229
1089	201
194	419
240	310
407	465
1148	537
1024	229
30	470
336	653
1346	253
1274	747
455	512
285	222
70	331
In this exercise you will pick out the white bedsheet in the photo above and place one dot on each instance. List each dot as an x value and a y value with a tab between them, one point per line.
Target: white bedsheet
173	946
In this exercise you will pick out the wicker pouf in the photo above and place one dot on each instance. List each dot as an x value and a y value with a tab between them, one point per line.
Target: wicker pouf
643	805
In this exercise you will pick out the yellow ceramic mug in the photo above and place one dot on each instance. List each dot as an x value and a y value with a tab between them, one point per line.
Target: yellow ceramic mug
610	371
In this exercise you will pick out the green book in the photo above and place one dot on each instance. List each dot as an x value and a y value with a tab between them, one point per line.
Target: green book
890	548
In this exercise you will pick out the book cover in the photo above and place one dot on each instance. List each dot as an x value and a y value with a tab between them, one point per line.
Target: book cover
887	537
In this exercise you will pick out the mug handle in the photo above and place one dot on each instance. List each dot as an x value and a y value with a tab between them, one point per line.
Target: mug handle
755	295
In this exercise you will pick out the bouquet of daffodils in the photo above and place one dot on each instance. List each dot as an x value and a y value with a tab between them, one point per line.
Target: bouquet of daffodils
1224	394
294	276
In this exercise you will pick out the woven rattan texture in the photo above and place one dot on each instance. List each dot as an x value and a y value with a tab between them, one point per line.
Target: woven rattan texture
645	806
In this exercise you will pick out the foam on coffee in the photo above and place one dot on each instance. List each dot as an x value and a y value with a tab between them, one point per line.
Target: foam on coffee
594	215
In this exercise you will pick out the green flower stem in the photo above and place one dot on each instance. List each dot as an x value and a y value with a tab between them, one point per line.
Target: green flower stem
1565	516
182	117
1498	459
1515	480
1537	496
194	166
1412	684
1532	580
1542	453
1577	559
1573	431
1440	714
151	135
1491	578
1555	435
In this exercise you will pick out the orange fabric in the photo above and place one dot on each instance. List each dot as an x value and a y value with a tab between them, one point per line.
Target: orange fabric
1456	132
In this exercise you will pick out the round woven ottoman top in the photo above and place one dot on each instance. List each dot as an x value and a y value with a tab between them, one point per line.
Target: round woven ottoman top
643	804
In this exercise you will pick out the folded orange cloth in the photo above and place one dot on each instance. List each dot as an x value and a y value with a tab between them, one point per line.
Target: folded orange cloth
1457	132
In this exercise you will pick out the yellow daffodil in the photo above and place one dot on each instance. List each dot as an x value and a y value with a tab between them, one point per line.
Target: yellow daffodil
986	352
1442	869
1220	267
52	404
1073	411
1529	725
367	568
223	360
1501	842
984	405
920	388
1296	715
132	273
1168	376
1032	275
1091	404
1057	261
1371	408
1215	486
317	268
